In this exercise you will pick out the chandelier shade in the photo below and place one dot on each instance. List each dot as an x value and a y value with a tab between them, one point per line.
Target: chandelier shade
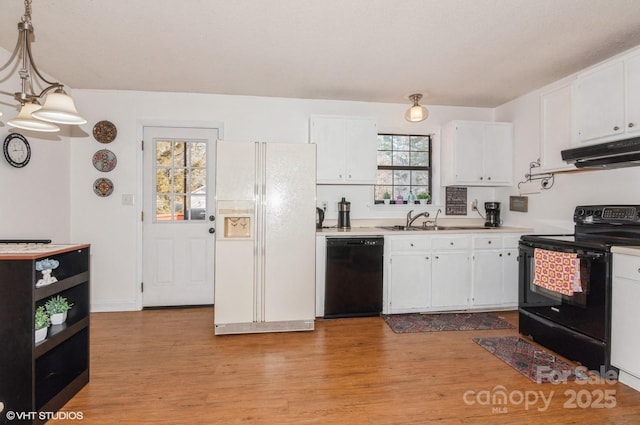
416	113
25	120
58	108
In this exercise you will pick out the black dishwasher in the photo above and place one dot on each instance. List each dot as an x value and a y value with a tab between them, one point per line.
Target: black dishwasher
353	277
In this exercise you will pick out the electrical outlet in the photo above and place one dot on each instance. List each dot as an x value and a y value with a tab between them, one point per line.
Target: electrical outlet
474	205
325	205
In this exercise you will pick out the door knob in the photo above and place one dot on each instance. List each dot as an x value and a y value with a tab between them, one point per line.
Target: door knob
212	218
212	230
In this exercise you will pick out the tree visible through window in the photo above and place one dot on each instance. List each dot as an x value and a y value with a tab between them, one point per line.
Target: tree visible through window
404	167
180	183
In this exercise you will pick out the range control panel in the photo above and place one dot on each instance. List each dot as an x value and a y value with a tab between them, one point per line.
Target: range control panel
629	214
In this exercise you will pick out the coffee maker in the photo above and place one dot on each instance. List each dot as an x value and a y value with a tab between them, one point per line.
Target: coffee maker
344	210
492	211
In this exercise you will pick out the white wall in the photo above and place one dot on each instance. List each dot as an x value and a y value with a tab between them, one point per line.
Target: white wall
34	200
110	226
551	211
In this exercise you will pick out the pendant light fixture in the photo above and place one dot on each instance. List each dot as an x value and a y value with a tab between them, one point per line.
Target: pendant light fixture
416	113
58	106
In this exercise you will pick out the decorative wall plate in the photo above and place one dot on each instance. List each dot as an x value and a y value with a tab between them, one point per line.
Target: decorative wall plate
104	132
103	187
104	160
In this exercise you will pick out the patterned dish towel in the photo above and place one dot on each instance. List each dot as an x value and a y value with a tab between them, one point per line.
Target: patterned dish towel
557	271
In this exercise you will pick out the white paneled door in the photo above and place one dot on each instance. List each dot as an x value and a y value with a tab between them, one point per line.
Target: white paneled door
178	221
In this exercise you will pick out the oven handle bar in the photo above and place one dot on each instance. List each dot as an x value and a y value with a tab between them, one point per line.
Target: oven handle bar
586	254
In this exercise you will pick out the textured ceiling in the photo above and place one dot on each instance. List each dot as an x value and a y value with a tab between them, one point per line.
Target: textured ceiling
457	52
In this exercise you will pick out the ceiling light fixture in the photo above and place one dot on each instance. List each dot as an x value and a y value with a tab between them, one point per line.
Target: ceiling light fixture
58	106
416	113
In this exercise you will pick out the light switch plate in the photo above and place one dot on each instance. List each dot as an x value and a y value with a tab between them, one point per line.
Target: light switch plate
127	199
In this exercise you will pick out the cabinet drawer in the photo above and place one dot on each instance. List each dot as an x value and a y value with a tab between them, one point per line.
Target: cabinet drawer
453	242
626	266
510	241
409	244
487	242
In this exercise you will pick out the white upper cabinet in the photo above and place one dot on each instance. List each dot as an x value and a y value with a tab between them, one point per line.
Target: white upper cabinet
632	98
555	117
606	105
346	149
476	153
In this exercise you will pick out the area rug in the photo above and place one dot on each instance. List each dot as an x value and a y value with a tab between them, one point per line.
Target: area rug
416	322
529	360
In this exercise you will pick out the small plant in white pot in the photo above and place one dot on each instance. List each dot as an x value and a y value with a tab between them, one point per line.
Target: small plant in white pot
57	307
386	198
42	323
423	197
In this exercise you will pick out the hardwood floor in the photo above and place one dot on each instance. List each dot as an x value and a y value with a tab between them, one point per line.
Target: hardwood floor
167	367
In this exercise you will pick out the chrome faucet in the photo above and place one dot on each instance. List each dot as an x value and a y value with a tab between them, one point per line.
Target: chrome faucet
435	220
410	219
433	223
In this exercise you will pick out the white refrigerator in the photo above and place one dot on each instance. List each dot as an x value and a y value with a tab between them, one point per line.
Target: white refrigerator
265	237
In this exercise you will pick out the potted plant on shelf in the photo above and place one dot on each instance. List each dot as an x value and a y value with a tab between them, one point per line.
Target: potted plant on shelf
386	198
57	307
42	322
423	197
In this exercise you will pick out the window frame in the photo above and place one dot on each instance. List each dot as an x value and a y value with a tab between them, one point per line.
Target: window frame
392	168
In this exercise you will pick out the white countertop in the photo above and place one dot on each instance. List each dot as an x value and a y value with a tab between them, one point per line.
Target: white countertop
373	230
629	250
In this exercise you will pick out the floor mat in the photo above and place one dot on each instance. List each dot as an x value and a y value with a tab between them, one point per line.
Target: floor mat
531	361
416	322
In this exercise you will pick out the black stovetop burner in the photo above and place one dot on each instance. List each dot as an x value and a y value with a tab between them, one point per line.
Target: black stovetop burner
598	227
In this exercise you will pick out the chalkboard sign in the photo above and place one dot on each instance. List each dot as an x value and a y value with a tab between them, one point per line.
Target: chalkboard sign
456	200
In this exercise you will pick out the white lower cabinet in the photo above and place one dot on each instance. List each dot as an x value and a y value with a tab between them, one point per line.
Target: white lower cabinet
625	339
411	275
408	273
510	277
450	280
450	275
455	272
495	271
487	278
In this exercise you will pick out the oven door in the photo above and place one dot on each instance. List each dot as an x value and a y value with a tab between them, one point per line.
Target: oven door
586	312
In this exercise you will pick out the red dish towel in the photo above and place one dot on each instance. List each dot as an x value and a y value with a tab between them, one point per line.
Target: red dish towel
557	271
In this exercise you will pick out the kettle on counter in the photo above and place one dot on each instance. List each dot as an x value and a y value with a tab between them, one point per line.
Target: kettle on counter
319	217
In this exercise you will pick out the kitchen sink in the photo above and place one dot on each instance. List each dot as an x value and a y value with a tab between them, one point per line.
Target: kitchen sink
432	228
458	228
401	228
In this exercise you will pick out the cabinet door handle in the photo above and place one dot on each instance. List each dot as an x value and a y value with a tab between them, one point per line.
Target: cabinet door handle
616	128
630	124
349	175
411	244
489	242
481	177
426	258
437	257
489	178
508	253
451	243
500	254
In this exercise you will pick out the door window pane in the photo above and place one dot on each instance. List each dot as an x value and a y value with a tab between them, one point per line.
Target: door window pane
180	183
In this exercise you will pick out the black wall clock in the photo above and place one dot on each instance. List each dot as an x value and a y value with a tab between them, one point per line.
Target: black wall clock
16	149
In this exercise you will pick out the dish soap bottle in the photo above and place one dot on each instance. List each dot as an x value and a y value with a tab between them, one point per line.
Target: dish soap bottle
410	198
